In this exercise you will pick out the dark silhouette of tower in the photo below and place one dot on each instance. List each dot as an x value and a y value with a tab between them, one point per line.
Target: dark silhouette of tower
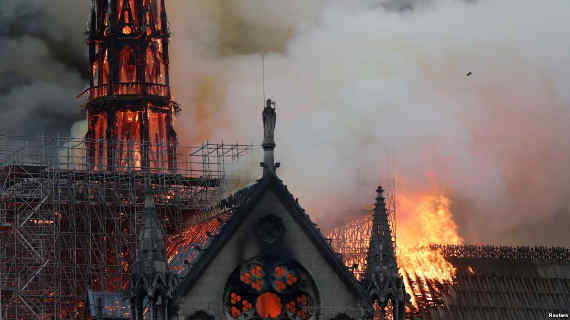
152	284
130	111
382	281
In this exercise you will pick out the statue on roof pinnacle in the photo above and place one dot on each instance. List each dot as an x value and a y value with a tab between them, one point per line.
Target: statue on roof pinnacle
269	120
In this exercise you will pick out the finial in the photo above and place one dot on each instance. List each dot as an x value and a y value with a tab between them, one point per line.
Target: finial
380	196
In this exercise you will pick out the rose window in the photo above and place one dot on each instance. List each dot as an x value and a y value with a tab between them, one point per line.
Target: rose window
264	290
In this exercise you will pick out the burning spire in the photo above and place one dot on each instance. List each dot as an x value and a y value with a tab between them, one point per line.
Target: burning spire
130	109
383	281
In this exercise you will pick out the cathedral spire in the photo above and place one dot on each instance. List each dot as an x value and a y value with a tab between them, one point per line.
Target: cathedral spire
130	110
151	253
269	120
152	284
381	249
383	281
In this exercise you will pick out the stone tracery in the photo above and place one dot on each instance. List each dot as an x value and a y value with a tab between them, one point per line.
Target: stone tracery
266	289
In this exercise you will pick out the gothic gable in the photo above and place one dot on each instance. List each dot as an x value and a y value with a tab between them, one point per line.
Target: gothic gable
271	229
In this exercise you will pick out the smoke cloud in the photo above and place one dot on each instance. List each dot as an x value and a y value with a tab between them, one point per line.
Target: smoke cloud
43	65
366	90
370	90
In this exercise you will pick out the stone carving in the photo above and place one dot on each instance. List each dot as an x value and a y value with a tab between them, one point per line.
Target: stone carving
269	119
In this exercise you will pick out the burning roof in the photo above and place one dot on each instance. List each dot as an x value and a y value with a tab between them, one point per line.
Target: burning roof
515	282
108	305
487	281
184	248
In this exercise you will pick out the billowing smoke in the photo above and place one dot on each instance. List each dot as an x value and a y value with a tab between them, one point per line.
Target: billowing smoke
364	85
43	65
365	89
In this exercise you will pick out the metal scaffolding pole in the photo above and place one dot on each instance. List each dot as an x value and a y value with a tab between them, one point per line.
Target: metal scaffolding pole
66	225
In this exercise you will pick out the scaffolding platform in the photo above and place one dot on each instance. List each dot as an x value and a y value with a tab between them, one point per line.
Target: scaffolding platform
67	225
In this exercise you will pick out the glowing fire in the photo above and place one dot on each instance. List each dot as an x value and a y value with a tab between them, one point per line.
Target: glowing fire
422	220
139	138
428	220
128	131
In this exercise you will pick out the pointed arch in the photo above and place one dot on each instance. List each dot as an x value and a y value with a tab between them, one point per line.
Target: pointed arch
128	65
154	66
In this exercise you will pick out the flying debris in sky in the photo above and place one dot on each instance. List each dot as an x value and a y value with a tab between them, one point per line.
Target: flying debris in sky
469	73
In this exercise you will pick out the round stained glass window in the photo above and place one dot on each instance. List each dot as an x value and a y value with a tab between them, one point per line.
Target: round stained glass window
270	290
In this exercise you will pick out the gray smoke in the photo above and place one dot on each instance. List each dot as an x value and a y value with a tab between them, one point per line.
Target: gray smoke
43	65
365	89
361	84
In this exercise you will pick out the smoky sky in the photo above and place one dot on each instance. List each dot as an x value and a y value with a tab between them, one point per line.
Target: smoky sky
43	65
368	90
365	89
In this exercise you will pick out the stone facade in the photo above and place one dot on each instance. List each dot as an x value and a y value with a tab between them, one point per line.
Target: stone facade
207	294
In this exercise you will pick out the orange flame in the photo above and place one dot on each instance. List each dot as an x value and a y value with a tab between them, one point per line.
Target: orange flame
423	220
428	221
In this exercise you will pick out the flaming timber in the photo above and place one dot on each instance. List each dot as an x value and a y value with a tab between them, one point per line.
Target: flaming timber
130	111
488	281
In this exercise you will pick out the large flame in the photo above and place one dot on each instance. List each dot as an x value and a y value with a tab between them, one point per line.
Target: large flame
423	219
427	220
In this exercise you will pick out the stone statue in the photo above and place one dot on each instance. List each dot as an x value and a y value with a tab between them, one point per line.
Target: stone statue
269	119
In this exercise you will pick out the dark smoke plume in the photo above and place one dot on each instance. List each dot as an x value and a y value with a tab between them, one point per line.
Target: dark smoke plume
43	65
